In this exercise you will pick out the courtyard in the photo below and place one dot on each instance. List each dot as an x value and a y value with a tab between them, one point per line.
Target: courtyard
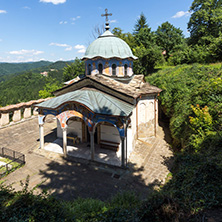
76	176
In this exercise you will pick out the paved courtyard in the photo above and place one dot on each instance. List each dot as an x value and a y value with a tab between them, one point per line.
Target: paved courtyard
149	163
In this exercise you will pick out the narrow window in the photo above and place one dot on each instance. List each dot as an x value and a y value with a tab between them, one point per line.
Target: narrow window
89	69
113	69
100	68
125	69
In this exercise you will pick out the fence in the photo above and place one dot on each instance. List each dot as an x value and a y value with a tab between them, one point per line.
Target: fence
15	156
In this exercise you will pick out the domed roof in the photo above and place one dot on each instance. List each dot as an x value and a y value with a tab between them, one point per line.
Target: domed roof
108	46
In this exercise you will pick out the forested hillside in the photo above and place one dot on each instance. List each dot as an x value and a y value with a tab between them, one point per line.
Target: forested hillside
25	86
10	68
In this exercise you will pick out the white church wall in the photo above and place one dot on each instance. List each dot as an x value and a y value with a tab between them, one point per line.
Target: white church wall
110	133
75	127
129	141
146	116
145	109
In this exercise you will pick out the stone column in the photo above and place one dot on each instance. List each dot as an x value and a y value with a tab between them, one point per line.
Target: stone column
41	134
16	115
92	145
4	119
27	112
123	154
64	136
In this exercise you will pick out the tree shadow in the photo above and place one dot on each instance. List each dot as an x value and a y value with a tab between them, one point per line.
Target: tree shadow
69	180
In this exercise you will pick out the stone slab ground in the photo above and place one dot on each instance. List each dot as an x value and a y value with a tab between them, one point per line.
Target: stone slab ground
149	163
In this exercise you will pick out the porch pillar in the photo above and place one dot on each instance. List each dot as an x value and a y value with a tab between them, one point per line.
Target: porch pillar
123	156
64	136
41	135
92	145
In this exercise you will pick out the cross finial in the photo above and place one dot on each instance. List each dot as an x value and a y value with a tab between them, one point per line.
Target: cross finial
107	14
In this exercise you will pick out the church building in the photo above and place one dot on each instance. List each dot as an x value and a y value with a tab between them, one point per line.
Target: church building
109	107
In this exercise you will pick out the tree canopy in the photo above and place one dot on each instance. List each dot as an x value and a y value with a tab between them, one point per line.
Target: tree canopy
205	21
140	23
73	70
168	37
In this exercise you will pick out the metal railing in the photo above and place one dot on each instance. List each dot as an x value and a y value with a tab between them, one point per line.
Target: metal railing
14	156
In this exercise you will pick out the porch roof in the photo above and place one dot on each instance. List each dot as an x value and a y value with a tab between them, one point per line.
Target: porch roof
95	100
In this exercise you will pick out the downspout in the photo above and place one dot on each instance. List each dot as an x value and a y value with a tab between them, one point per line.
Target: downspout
155	116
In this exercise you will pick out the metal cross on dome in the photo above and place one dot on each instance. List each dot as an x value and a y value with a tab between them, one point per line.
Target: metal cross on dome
107	14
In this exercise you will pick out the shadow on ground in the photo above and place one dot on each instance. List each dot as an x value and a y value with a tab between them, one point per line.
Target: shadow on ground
70	179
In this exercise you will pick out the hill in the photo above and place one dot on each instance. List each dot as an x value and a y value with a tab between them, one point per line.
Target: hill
10	68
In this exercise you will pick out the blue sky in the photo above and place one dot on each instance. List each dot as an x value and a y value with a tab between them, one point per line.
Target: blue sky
33	30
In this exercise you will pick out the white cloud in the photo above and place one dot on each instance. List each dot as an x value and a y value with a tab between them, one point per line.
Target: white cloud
55	2
2	12
26	7
25	52
1	40
67	47
63	22
80	48
181	14
113	21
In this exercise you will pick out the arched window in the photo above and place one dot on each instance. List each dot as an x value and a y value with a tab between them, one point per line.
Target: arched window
89	69
114	69
100	68
125	69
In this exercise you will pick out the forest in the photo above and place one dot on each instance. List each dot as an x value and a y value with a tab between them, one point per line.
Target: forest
189	71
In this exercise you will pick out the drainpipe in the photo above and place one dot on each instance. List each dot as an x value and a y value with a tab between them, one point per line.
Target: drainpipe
155	116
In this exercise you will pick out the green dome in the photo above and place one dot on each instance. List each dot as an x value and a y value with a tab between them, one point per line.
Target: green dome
108	46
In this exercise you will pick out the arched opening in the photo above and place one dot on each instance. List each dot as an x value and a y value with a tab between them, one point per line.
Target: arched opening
100	67
89	69
125	69
108	136
114	69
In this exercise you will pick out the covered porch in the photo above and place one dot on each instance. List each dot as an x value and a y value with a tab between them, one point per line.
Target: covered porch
99	125
82	151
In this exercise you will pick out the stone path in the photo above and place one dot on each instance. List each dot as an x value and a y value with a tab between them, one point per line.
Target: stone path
149	162
154	157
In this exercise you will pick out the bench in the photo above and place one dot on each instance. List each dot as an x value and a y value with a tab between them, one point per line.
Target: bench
74	138
109	145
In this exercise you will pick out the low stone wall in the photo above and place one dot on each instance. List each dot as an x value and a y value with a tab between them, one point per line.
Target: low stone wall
16	112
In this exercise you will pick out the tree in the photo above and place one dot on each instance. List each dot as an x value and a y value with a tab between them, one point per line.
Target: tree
205	21
148	58
50	87
73	70
140	23
127	37
145	37
168	37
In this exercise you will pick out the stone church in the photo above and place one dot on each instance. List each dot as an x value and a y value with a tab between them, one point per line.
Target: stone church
109	107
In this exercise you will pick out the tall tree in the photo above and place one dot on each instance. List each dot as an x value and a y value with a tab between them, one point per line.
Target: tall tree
205	21
140	23
168	37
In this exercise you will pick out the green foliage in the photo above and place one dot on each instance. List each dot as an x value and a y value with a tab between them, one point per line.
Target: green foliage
205	21
184	86
73	70
51	86
168	37
148	58
22	88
